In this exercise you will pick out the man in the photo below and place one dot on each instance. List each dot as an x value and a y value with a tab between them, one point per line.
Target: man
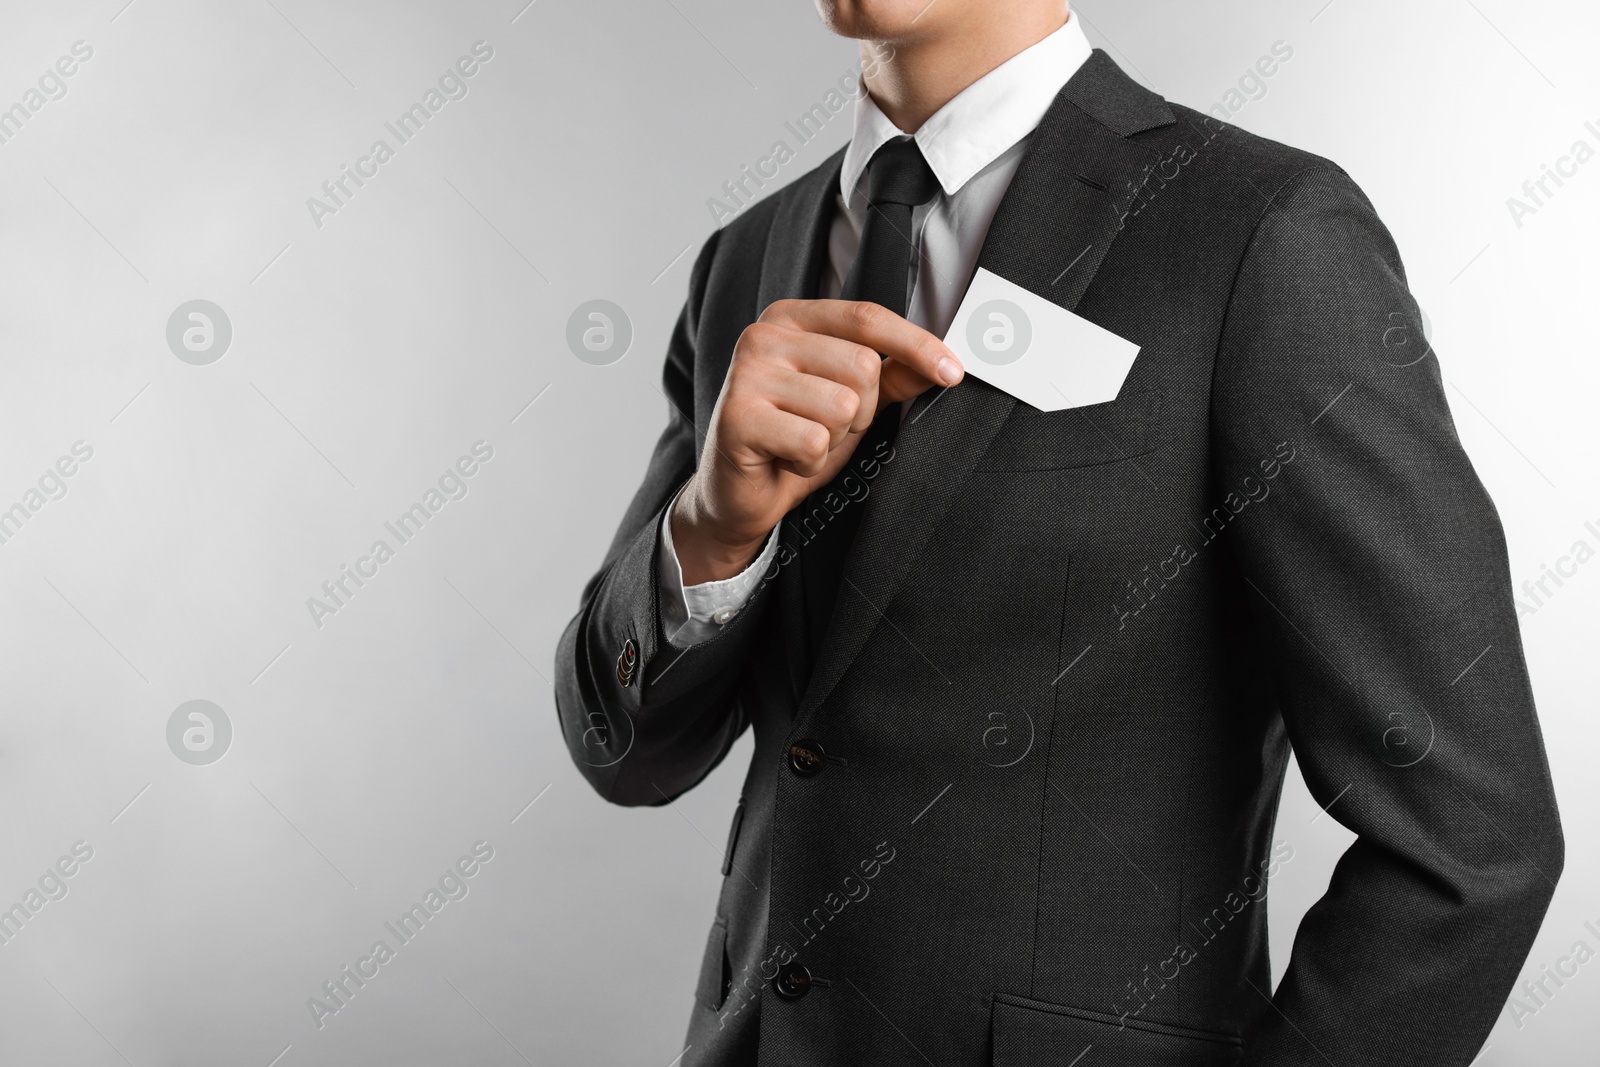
1023	684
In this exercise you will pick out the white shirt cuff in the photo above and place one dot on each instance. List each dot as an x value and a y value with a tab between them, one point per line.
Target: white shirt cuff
692	614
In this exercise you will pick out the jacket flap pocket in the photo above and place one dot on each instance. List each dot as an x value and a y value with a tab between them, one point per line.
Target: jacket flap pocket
714	976
1032	1033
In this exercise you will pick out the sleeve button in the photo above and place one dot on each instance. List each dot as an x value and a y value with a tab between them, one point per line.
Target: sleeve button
627	661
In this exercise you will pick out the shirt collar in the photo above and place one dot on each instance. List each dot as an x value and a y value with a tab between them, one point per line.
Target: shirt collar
982	121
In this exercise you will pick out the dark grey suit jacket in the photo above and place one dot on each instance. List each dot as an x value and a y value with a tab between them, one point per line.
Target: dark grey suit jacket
1073	650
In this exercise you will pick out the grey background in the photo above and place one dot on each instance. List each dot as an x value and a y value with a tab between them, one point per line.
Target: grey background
368	354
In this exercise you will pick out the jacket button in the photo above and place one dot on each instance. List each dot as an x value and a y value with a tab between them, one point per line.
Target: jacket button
627	662
806	758
792	983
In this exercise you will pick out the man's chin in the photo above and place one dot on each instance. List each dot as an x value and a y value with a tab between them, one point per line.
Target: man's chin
874	20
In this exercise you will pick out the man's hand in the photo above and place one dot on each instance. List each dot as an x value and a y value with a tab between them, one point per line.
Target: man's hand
805	382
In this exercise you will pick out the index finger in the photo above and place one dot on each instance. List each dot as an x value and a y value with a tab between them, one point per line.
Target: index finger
892	336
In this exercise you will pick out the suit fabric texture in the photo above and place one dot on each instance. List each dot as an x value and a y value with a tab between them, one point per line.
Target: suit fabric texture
1023	804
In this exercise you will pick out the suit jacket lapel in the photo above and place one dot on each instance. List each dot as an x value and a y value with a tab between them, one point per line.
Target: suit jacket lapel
1053	228
796	253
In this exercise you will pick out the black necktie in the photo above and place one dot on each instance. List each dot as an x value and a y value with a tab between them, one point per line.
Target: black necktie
899	179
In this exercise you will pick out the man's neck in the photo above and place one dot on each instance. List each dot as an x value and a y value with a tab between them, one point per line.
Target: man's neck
909	80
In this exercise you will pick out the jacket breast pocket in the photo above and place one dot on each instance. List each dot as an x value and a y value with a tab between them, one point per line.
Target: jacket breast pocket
733	839
1034	440
1028	1033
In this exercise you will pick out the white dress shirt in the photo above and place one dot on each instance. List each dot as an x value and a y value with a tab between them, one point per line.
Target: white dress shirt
973	145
